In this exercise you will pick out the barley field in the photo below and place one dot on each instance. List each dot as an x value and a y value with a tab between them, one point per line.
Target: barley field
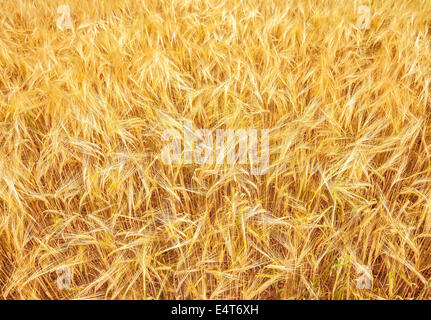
89	209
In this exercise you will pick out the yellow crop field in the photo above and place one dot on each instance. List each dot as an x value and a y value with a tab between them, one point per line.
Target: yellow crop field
203	149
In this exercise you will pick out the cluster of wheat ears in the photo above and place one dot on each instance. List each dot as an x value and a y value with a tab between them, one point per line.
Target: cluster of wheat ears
83	187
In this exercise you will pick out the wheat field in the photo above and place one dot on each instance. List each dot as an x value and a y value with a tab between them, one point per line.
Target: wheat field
84	192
